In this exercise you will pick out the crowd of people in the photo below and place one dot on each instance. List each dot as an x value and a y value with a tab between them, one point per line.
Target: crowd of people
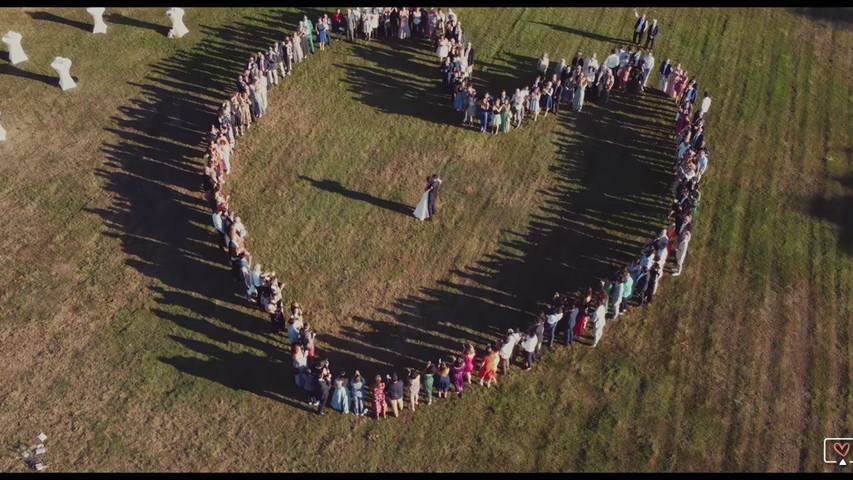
566	84
629	288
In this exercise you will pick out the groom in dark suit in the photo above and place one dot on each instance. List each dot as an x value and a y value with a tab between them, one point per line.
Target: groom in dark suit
432	188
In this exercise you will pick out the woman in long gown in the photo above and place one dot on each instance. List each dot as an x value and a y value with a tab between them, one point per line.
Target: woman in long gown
414	388
681	86
422	210
484	114
340	397
405	32
670	87
505	117
459	100
580	91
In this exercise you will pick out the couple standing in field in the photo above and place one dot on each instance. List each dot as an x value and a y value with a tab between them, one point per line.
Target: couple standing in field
426	208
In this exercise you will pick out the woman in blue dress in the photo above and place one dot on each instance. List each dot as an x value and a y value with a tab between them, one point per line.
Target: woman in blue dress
321	33
340	397
534	103
580	91
484	113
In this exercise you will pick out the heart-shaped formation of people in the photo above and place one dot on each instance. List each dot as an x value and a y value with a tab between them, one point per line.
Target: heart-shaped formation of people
568	84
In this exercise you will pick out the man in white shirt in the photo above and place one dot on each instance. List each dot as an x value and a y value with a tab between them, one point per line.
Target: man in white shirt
598	323
650	64
529	347
507	348
706	103
612	61
551	320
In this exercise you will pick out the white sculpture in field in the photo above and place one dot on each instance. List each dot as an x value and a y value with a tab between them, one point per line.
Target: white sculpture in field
13	43
178	28
62	66
2	134
97	14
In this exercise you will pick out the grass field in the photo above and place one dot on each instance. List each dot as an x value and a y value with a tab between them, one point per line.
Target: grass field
124	341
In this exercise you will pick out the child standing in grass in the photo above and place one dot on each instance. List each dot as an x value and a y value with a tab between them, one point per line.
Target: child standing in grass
379	406
489	367
469	355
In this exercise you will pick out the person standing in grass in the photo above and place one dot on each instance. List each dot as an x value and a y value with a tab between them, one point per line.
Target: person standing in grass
505	116
413	387
357	389
300	364
428	378
341	398
652	285
627	290
443	372
681	252
379	405
488	367
571	324
616	294
507	349
528	344
308	28
395	393
552	320
324	388
539	330
580	90
665	71
457	371
598	323
309	384
469	355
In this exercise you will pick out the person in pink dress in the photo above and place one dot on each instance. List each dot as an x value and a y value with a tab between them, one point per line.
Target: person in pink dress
680	86
670	87
469	355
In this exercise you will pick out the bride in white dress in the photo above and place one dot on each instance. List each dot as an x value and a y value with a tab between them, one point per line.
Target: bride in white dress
422	211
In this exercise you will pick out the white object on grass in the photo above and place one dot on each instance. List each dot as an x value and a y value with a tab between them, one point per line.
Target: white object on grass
97	14
176	15
16	52
62	66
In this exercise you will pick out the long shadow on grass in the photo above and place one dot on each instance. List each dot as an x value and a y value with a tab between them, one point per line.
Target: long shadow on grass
836	208
336	187
610	179
50	17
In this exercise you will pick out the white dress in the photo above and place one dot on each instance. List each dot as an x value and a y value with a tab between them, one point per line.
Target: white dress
421	211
